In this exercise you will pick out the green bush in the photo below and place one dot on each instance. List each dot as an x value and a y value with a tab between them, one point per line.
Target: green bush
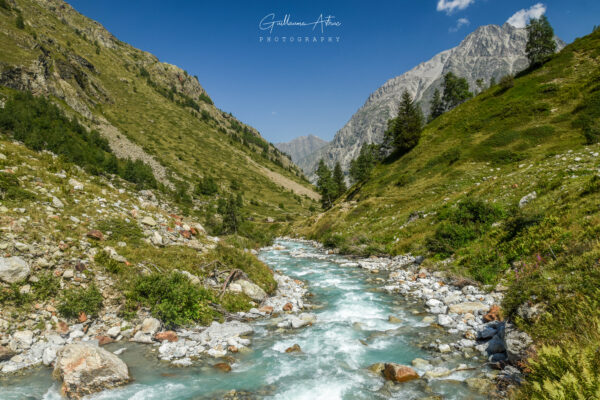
207	186
4	4
10	188
20	23
46	287
12	296
76	300
121	230
449	237
173	299
104	259
461	225
234	302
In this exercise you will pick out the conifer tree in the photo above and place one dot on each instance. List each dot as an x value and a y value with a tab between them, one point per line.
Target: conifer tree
339	181
437	105
325	185
404	131
540	40
456	91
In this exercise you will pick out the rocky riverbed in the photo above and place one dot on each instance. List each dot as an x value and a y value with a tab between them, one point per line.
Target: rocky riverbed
374	328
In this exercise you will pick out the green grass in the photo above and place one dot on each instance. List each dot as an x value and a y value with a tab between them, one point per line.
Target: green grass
185	132
536	134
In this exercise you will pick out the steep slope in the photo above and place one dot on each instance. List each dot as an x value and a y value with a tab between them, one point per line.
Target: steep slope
503	189
489	52
301	147
147	109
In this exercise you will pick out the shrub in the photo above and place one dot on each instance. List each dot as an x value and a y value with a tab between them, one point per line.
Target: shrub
207	186
76	300
234	302
121	230
506	82
20	23
449	237
4	4
570	370
173	299
592	186
46	287
104	259
10	188
461	225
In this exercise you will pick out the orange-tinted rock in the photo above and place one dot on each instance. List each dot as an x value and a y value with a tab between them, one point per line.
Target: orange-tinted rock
495	314
82	317
288	307
294	349
232	349
186	234
102	340
266	309
422	275
166	335
224	367
95	234
62	327
399	373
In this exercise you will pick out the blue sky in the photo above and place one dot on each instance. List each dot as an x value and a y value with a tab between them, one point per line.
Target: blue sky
288	89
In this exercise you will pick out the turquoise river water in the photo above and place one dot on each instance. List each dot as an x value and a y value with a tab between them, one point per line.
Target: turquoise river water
352	332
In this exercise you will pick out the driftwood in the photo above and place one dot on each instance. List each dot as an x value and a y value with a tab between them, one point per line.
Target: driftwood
235	273
226	313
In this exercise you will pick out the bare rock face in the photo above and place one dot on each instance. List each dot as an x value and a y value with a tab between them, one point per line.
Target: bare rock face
490	51
301	146
86	368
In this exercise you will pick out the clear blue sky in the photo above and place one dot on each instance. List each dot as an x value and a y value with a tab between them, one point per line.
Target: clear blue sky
288	89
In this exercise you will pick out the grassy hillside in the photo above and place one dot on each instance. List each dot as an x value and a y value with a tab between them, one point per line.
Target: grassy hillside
503	189
147	110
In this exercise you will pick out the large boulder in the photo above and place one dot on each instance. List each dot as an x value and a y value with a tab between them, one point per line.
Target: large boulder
252	290
516	342
150	326
399	373
13	269
85	368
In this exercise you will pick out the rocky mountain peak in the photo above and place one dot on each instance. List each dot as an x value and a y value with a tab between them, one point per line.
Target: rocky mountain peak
490	51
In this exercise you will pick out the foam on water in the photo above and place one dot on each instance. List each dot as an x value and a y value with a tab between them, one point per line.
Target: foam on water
352	331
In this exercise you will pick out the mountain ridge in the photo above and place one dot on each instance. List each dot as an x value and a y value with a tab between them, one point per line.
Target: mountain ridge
489	51
301	146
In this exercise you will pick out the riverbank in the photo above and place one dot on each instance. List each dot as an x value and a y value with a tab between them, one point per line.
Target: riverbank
357	324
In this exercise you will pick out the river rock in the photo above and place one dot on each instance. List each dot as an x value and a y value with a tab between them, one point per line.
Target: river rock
13	269
150	325
85	368
377	368
6	353
252	290
166	335
21	340
495	345
223	367
399	373
472	307
494	314
517	343
483	386
293	349
114	331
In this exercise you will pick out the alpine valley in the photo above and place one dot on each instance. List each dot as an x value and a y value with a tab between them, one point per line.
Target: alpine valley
154	246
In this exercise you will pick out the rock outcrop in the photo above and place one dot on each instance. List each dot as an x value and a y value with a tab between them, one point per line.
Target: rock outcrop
301	146
86	368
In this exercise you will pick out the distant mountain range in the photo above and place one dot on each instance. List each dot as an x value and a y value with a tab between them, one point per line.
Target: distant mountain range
490	51
301	147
